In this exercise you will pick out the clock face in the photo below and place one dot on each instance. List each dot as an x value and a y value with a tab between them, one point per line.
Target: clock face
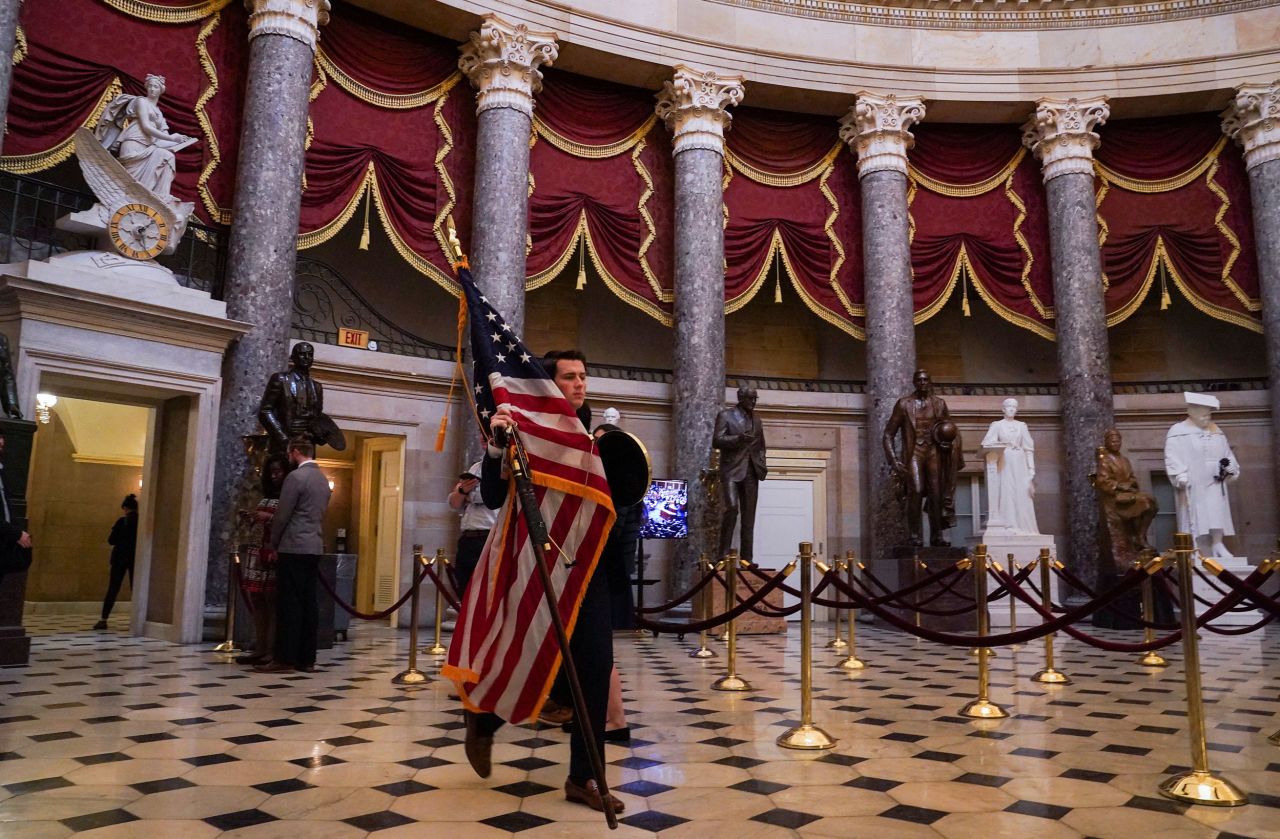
138	231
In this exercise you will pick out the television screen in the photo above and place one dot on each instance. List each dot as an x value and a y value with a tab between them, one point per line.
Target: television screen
666	511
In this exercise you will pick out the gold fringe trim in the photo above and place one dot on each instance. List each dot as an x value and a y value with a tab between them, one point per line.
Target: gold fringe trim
1029	259
27	164
911	219
546	275
1162	184
933	307
968	190
1104	229
625	294
829	228
593	152
1227	233
407	253
814	306
783	179
661	294
775	245
381	99
1124	312
20	47
327	231
440	228
1210	309
1015	318
156	13
217	214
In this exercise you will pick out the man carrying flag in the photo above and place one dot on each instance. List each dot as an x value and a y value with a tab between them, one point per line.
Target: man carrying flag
504	655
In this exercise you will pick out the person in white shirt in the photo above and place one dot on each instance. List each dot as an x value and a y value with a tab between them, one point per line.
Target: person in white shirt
477	521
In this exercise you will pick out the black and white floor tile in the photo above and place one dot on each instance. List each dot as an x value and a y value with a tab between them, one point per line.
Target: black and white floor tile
105	735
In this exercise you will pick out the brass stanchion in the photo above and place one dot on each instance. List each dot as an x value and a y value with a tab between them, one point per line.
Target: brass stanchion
852	662
916	565
730	680
836	642
1198	785
983	620
1048	676
982	708
730	563
1150	658
806	735
441	562
229	645
413	676
708	604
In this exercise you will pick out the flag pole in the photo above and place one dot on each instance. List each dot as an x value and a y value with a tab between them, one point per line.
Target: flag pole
540	542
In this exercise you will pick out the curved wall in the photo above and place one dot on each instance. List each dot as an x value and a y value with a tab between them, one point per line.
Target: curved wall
1152	57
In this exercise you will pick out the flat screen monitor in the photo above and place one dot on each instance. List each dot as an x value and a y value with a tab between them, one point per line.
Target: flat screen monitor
666	511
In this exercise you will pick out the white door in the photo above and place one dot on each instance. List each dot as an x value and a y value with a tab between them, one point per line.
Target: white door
387	533
784	519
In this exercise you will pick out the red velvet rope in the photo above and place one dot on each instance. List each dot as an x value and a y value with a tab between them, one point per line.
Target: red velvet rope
373	616
717	620
444	590
921	605
769	612
1248	588
688	595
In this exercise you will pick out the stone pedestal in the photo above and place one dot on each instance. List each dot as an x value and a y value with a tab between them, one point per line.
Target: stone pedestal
1025	547
1239	566
1061	135
901	562
262	253
15	645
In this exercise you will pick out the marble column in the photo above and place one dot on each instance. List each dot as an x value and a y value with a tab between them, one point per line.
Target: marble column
9	11
693	107
262	252
877	128
1253	120
1061	136
502	62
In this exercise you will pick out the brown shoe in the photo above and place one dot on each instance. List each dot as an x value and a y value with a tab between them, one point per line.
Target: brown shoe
553	713
588	793
273	667
478	747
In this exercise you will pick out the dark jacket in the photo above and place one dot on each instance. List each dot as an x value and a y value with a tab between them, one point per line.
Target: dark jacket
124	539
740	439
13	559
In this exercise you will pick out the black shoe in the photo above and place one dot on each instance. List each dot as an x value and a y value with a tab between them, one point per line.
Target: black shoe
618	735
478	747
100	625
251	658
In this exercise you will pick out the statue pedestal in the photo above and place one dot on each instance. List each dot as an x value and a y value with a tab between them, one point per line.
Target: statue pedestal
1025	547
900	561
15	644
1239	566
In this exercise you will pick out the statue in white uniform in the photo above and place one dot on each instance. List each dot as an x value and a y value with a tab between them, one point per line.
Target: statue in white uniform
1200	464
1012	491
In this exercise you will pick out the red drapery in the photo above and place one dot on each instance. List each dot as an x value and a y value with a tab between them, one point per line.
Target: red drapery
71	71
978	215
1173	194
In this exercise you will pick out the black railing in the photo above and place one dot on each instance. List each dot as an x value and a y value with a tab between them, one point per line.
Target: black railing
29	212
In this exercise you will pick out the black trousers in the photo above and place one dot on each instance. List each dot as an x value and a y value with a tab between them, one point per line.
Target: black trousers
592	649
297	614
464	565
113	586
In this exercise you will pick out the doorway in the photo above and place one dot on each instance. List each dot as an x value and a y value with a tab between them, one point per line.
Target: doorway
379	502
791	509
88	456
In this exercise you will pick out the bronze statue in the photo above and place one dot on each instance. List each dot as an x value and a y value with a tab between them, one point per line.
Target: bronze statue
931	457
293	406
1126	510
739	436
8	385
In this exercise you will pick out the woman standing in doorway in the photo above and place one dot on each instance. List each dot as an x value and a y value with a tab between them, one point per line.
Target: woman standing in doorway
124	544
258	574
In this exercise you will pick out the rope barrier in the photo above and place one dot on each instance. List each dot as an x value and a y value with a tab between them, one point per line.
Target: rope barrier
717	620
766	613
444	590
684	598
374	616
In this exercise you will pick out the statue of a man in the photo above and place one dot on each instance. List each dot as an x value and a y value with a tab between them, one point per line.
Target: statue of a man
1013	491
739	436
1126	509
1200	463
930	459
293	403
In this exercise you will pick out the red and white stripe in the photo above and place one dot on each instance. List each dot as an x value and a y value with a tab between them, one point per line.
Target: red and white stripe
504	654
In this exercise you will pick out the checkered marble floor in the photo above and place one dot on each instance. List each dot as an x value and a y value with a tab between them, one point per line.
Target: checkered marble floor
105	735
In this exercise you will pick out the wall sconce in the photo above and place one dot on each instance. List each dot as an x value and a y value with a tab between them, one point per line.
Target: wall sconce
331	486
44	402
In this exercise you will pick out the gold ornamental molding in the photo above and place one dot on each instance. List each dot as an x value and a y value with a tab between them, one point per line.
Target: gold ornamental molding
1000	14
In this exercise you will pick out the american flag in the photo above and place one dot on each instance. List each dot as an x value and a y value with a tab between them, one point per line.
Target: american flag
503	655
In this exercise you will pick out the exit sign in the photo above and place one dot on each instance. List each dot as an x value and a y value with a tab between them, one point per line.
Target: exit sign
357	338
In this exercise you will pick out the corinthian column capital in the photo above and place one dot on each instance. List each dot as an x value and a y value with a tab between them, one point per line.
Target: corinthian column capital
1253	120
502	62
878	129
1061	134
693	106
297	19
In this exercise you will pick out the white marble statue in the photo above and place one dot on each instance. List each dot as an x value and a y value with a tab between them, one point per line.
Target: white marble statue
133	129
1011	490
1200	464
611	416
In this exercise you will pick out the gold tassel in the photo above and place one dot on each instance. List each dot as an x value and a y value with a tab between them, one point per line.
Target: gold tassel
964	294
582	262
1164	290
364	235
777	279
444	426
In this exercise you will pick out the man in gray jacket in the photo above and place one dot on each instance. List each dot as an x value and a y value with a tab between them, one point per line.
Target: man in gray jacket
297	536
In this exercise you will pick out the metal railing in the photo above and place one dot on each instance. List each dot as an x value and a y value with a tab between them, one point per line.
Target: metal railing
30	209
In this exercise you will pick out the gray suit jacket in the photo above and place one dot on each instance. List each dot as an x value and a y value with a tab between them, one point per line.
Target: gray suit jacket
298	525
